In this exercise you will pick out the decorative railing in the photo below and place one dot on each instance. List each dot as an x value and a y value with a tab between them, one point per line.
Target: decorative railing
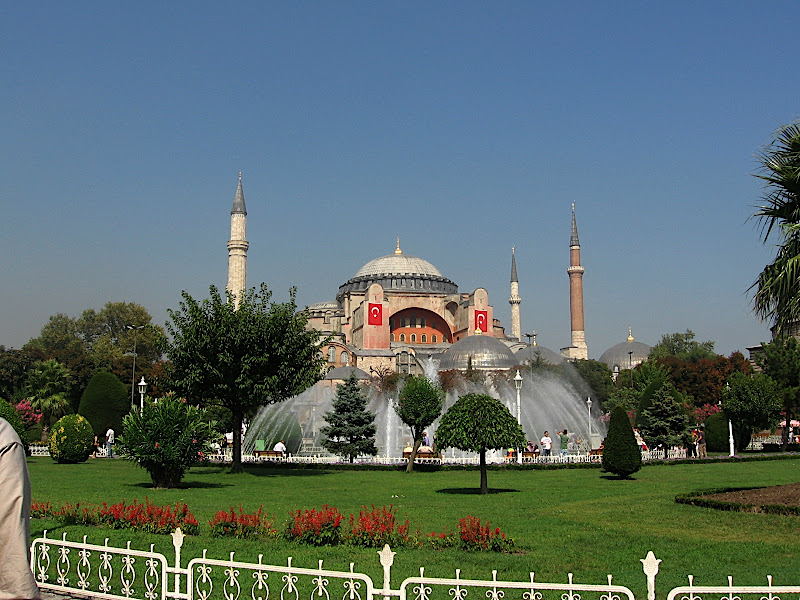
103	571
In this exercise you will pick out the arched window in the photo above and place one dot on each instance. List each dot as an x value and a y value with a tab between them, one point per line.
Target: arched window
331	354
433	338
413	337
424	338
345	358
423	321
402	337
391	336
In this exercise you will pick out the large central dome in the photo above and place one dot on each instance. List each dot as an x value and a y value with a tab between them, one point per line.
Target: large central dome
398	264
401	273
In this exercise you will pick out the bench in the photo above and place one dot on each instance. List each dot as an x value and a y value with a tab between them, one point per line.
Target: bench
428	455
268	454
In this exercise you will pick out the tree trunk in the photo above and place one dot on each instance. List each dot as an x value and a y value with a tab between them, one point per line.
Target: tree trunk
410	466
236	466
484	482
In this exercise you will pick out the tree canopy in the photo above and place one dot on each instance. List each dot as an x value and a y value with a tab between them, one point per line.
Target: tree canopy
682	346
418	406
351	427
777	288
751	403
241	357
477	423
780	360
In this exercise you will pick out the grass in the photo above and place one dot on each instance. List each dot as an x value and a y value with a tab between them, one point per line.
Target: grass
564	521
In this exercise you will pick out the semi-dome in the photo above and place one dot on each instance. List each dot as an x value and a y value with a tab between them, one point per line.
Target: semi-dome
482	351
324	306
401	273
344	373
625	355
523	355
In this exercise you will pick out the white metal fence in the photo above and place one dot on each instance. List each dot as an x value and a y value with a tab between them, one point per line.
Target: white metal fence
103	571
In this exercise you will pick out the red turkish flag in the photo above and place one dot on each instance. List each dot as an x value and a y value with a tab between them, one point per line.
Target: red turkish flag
482	320
375	314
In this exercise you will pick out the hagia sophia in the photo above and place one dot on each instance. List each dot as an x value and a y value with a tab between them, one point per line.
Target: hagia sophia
399	309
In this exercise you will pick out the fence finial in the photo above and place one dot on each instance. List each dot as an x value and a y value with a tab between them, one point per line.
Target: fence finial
650	567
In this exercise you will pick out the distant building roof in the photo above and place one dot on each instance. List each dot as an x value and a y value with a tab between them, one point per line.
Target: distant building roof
483	351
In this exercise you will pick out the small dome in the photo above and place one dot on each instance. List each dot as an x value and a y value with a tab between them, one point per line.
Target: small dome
324	306
343	373
523	355
485	351
398	264
625	355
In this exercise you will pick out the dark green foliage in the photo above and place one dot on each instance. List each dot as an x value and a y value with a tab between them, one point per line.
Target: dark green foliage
598	377
477	423
418	406
780	360
10	414
351	427
621	454
683	346
14	367
105	402
665	424
167	438
71	439
716	429
751	403
240	356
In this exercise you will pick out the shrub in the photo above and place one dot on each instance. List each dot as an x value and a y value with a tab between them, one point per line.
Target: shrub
316	528
71	439
621	453
376	527
716	428
166	438
105	401
10	414
475	536
242	525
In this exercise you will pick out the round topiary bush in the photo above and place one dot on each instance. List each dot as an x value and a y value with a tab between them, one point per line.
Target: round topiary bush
71	439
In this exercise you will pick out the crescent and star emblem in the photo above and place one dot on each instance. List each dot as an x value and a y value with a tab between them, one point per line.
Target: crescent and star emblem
375	311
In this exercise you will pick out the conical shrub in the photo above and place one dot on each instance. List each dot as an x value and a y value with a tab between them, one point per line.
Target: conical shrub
621	454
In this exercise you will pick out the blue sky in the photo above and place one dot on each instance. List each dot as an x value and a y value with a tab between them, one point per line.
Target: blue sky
463	127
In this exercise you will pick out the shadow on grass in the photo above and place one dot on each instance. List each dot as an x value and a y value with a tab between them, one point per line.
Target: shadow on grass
617	478
269	471
476	491
183	485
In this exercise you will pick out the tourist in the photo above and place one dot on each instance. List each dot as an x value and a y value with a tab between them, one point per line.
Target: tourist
564	442
95	446
530	447
280	447
701	443
691	445
426	441
110	442
16	579
547	444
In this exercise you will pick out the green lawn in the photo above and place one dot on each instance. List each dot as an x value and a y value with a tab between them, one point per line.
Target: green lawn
562	520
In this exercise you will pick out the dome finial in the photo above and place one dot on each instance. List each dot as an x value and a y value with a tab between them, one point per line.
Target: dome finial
397	250
630	334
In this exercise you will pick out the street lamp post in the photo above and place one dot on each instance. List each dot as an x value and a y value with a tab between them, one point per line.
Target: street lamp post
530	348
589	408
142	390
133	372
731	447
630	364
518	385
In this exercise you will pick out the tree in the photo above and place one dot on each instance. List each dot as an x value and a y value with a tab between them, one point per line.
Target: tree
351	427
240	358
47	387
777	288
683	346
704	379
598	377
751	403
418	406
780	360
14	367
105	402
665	423
477	423
621	453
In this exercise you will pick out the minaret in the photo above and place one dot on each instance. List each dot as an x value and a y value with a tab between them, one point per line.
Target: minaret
578	349
237	246
514	300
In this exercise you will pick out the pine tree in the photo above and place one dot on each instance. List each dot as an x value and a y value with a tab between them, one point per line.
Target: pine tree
351	427
621	453
665	423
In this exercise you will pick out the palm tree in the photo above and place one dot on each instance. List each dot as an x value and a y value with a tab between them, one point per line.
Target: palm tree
47	387
777	295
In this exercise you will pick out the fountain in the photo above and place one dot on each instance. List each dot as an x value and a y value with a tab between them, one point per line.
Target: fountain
548	402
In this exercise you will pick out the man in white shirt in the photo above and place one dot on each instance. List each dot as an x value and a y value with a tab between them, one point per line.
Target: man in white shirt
547	444
110	442
280	447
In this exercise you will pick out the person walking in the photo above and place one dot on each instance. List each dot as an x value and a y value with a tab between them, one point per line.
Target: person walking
547	444
564	442
16	579
110	442
701	443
